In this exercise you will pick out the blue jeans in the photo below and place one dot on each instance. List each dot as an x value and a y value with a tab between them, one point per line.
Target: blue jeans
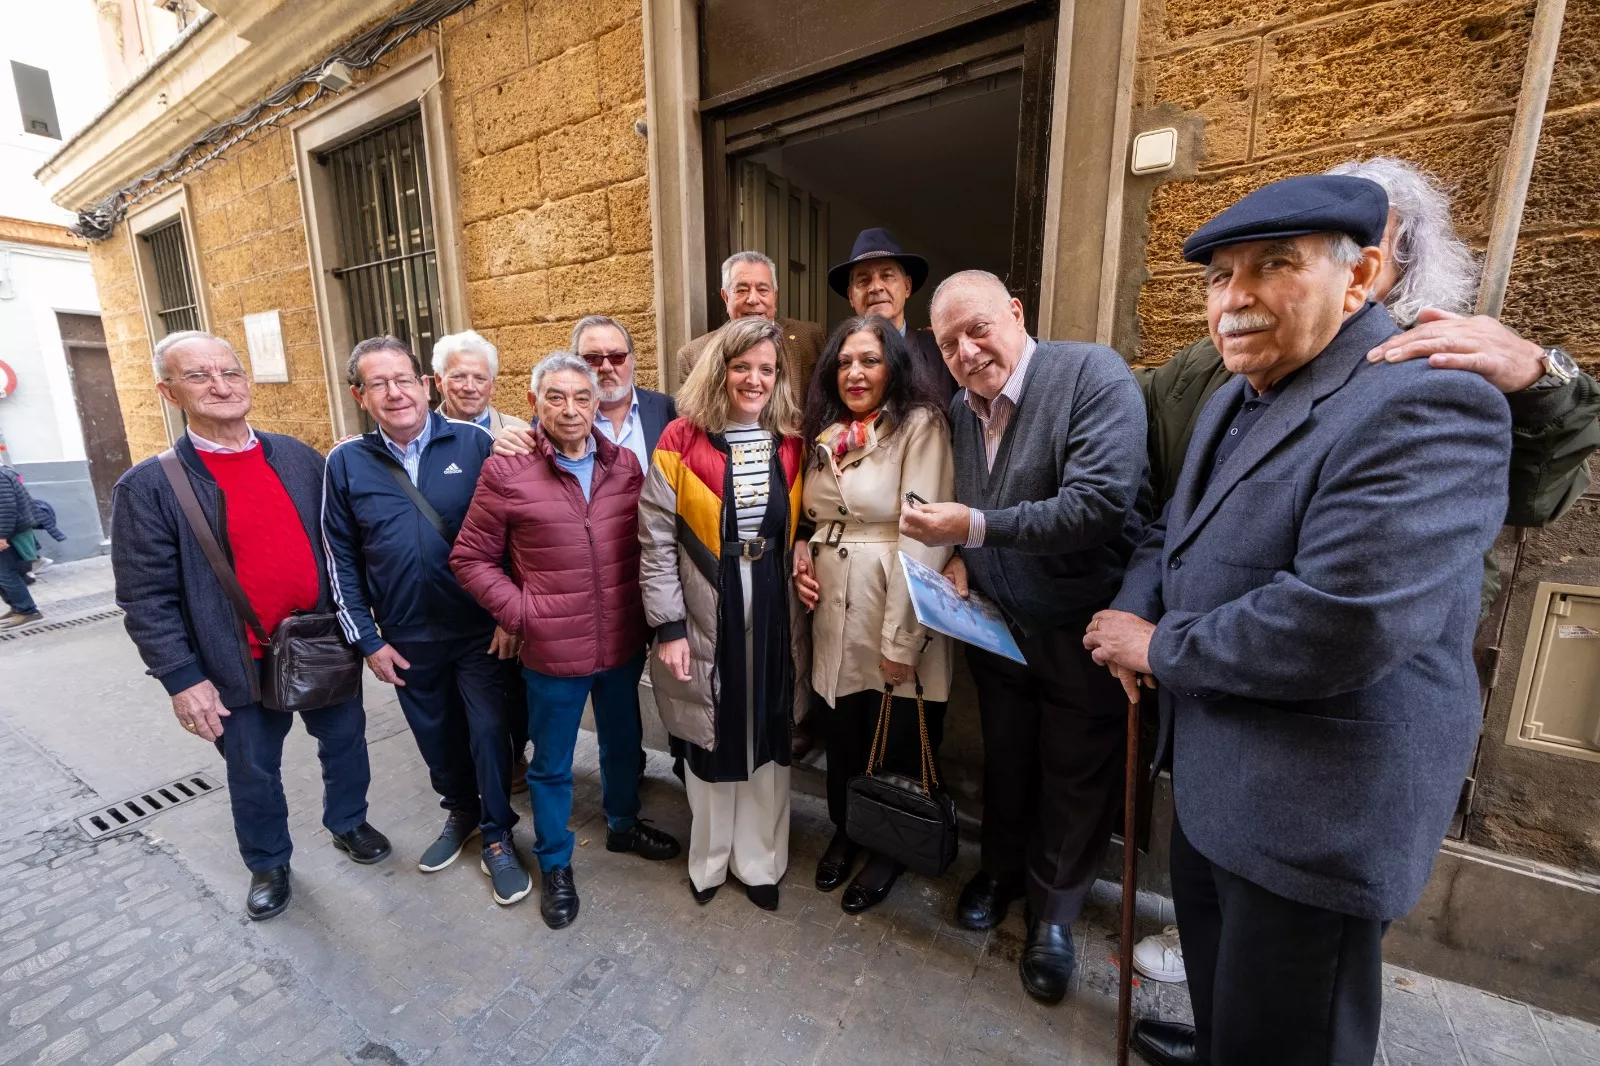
13	589
555	707
252	746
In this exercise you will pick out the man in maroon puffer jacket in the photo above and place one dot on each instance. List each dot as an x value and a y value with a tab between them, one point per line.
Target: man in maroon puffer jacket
567	518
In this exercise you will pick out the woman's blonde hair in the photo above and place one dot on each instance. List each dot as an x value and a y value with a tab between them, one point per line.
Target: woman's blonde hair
703	398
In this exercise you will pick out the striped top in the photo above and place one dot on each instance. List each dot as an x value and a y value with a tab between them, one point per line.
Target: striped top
750	451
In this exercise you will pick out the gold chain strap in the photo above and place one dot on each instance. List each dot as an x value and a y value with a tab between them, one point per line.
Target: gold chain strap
880	739
928	772
880	732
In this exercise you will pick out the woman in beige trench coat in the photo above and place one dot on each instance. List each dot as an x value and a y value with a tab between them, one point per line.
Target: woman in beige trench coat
875	432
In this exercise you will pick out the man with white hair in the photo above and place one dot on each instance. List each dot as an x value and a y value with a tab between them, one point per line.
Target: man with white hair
392	502
1049	466
1427	282
465	366
566	515
750	290
261	495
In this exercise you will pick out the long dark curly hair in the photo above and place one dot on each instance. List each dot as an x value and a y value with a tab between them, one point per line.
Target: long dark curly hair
906	389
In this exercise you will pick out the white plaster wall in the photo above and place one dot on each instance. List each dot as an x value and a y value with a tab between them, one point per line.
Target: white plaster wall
63	37
40	420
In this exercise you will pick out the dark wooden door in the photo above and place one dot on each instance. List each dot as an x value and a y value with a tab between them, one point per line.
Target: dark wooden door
105	442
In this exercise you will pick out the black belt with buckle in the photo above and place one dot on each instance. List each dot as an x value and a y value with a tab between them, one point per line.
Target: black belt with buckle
751	549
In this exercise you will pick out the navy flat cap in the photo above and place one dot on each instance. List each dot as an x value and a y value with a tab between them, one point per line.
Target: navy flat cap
1294	207
877	243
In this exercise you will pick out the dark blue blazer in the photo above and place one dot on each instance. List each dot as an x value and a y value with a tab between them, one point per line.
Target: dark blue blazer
389	567
656	409
1315	605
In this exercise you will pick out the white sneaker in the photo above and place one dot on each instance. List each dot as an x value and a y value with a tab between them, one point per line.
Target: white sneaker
1160	957
42	563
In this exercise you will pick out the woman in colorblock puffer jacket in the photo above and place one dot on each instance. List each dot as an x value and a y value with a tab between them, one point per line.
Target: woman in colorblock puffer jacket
717	520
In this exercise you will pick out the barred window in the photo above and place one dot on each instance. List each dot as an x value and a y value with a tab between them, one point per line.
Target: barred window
389	267
178	309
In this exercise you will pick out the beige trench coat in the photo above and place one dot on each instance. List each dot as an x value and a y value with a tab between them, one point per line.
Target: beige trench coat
865	611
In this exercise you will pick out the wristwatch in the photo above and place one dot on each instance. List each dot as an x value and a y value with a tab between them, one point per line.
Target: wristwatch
1559	369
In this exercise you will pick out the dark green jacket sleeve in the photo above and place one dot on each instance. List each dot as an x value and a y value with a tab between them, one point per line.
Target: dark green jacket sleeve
1553	432
1174	395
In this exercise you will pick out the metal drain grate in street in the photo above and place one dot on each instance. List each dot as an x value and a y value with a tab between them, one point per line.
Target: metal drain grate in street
48	626
129	812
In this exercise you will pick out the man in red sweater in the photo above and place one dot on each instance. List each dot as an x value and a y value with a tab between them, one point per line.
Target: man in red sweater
261	493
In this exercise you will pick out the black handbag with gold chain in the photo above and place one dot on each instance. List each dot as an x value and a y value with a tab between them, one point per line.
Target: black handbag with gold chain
910	821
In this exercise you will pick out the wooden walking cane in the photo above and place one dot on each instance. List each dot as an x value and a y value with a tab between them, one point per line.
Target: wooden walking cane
1130	885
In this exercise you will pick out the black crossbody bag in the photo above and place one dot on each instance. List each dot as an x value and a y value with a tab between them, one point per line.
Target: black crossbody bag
306	663
910	821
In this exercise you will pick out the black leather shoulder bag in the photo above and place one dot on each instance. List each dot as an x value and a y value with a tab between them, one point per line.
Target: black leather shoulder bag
306	662
910	821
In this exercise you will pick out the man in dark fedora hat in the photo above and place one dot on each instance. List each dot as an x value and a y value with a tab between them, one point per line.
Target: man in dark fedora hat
878	279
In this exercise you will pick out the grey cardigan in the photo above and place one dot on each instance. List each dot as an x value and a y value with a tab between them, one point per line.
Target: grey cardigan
1059	506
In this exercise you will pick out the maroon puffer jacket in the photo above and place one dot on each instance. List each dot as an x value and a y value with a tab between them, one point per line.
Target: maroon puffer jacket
573	591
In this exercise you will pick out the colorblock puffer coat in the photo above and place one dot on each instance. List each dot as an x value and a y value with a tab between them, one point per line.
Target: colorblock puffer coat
681	518
572	593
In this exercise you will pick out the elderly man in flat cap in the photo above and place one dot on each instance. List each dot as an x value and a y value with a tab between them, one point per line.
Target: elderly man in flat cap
1314	664
878	279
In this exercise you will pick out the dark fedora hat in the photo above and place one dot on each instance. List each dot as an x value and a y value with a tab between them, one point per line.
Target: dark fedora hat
877	243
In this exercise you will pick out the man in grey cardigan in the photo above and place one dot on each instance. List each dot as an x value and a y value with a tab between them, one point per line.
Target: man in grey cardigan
1050	461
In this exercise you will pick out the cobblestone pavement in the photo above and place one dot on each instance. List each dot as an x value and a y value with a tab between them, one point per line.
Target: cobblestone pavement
134	950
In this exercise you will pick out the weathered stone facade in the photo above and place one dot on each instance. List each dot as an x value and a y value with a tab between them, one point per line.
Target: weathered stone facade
1288	88
552	192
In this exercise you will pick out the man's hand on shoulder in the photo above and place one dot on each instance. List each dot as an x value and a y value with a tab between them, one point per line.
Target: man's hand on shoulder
1480	345
514	440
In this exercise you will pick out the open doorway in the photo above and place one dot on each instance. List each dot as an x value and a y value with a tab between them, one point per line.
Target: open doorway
939	172
942	144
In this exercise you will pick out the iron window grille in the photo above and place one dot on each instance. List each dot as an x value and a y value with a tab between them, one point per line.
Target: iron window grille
179	310
390	268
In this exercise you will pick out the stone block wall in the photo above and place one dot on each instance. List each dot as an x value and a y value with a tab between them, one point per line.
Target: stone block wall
1294	86
554	199
550	186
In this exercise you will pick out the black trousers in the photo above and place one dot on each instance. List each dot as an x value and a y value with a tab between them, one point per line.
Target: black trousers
514	705
1272	980
252	746
1054	737
453	699
849	725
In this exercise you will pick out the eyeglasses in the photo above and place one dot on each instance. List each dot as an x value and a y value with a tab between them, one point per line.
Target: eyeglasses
404	383
201	378
600	359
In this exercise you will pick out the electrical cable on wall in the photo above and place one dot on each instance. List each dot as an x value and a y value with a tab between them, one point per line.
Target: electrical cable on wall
97	221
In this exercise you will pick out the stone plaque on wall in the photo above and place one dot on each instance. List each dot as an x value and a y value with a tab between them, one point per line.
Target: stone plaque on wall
263	337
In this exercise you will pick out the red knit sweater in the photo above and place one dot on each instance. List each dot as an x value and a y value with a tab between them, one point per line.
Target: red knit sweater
271	554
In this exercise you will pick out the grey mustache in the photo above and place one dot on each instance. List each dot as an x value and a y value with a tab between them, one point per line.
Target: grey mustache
1245	321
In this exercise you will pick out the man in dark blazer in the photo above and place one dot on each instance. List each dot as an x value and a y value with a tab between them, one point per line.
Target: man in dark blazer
750	290
1306	607
878	279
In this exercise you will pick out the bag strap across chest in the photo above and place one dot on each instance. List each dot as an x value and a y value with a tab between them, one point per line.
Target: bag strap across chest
172	466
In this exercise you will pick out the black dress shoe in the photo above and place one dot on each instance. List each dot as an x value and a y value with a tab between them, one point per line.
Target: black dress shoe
703	896
834	866
269	893
763	896
644	840
1047	961
1164	1043
871	886
984	901
558	898
363	844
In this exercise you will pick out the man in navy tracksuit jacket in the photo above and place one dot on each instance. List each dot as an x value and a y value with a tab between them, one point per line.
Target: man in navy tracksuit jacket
400	604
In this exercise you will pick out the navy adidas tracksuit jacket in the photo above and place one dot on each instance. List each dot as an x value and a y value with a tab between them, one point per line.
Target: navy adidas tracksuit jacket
387	562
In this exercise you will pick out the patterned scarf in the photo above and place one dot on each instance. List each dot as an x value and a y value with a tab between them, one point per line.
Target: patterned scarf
841	438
